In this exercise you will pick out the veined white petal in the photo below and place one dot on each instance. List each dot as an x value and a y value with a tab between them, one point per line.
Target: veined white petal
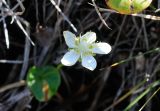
89	37
101	48
89	62
70	58
70	39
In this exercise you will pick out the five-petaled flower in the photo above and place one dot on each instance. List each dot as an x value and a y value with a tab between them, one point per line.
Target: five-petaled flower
83	48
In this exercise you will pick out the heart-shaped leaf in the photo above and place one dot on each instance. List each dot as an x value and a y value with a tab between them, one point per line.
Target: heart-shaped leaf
43	82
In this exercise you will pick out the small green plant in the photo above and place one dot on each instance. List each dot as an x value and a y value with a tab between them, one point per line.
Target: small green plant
128	6
43	82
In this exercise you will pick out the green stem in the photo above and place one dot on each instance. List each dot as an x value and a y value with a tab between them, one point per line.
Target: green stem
59	66
131	58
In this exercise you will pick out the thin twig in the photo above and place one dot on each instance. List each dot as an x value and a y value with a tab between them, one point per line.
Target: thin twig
125	95
36	7
5	31
12	85
11	61
26	51
145	33
22	7
149	99
17	20
100	89
146	16
64	16
152	17
101	18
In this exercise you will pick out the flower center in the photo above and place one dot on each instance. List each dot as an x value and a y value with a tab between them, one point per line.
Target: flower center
83	48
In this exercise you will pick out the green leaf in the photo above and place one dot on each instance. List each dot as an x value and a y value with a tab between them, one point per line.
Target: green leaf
43	82
128	6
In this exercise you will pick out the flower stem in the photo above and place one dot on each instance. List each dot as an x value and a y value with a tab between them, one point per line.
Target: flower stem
59	66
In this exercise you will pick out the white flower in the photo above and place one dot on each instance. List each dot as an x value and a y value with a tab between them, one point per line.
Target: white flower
83	48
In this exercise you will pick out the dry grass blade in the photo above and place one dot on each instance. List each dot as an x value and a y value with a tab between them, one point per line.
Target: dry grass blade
6	32
22	7
139	97
151	17
105	75
11	61
13	85
101	18
126	95
5	29
17	20
13	14
146	16
26	59
149	99
64	16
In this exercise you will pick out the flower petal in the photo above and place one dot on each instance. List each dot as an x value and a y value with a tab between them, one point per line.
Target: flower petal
70	58
69	38
101	48
89	62
89	37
